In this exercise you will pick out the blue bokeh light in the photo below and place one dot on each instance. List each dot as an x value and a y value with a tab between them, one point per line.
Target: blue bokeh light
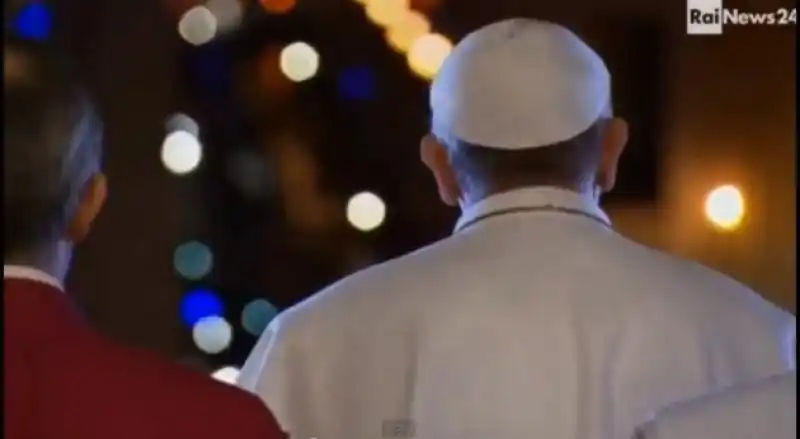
357	83
257	315
199	304
193	260
34	21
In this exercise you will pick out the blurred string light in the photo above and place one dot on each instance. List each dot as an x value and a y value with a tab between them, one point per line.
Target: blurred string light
725	207
212	335
34	21
385	13
299	61
366	211
198	25
227	375
278	6
228	13
200	304
193	260
410	32
357	83
427	53
401	35
256	315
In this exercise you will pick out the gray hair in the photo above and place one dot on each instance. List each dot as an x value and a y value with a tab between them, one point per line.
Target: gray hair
52	146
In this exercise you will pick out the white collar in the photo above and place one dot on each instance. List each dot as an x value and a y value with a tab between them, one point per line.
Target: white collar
30	273
532	198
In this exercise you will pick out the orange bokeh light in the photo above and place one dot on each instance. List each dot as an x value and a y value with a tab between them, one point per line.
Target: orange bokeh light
278	6
272	81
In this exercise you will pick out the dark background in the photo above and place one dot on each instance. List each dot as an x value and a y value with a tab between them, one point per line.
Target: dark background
703	111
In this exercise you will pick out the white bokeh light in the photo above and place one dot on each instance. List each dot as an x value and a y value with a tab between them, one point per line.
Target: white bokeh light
198	25
299	61
366	211
181	152
227	375
212	335
725	207
182	122
227	12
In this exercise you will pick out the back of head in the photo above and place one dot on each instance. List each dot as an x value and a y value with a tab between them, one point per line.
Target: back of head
51	150
522	99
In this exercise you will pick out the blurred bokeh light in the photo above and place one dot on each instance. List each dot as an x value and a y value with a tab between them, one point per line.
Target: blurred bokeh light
198	26
182	122
366	211
401	35
278	6
256	315
299	61
427	53
193	260
199	304
725	207
212	335
227	12
227	374
357	83
34	21
385	13
181	152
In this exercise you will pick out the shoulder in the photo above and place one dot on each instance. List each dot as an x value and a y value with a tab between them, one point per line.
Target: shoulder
209	404
392	286
684	283
749	408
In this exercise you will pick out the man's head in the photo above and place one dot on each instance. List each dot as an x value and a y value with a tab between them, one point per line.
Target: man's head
522	103
52	185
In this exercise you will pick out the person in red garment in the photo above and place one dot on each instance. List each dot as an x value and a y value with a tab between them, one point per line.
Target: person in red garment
61	379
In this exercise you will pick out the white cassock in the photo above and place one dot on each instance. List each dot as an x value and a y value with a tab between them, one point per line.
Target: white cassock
535	318
763	410
539	321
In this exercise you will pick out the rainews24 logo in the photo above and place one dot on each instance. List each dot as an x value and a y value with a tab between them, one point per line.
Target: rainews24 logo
708	17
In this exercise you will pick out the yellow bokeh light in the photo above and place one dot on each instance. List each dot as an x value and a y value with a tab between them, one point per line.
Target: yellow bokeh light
385	13
725	207
402	34
427	53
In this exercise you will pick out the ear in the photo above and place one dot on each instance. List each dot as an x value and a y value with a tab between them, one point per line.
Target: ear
92	202
615	137
434	156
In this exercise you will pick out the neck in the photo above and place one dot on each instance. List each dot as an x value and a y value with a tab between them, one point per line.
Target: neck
53	259
477	194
